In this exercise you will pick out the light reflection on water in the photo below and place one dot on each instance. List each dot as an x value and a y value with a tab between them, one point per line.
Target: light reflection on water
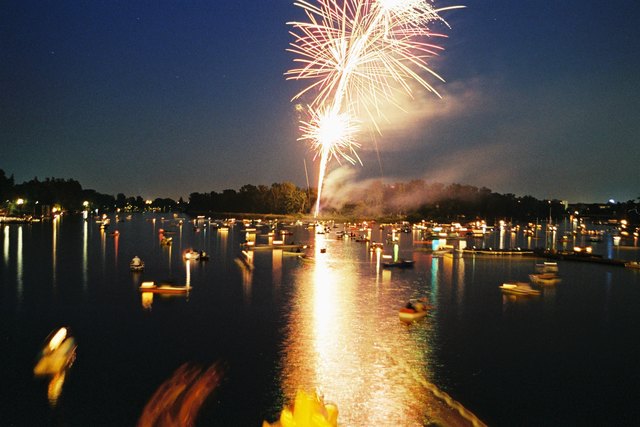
85	253
19	267
346	342
54	250
6	245
336	323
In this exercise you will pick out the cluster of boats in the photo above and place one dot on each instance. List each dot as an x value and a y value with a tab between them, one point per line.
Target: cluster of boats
546	275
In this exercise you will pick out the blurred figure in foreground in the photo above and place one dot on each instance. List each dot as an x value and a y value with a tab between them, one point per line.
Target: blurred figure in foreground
178	400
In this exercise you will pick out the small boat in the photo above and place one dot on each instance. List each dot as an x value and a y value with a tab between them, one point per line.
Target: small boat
547	267
163	288
518	288
632	264
57	354
166	241
413	310
545	279
401	263
190	254
136	264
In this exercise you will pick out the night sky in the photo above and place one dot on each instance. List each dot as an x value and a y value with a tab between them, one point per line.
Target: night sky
165	98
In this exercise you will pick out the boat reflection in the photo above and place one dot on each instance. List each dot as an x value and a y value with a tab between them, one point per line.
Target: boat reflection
147	300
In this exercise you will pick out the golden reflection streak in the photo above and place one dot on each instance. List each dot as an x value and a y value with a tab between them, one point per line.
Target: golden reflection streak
19	267
116	244
356	353
223	235
276	266
6	245
103	246
188	272
146	299
85	252
54	252
54	389
331	353
245	262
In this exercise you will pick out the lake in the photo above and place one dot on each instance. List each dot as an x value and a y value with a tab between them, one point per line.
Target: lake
250	334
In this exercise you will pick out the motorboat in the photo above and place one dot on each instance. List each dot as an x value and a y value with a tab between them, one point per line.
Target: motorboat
166	241
163	288
415	309
401	263
136	264
546	279
547	267
518	288
57	354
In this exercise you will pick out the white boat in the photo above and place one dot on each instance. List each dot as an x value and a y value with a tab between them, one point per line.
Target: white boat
518	288
136	264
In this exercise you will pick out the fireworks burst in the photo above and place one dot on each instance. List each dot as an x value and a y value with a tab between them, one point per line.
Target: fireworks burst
358	55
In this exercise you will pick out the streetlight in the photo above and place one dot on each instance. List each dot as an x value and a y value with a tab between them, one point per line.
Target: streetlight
20	202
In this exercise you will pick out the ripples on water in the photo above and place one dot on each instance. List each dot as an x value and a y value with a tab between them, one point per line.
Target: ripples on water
279	325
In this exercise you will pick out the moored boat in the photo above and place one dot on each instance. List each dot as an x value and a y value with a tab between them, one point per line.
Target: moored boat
518	288
163	288
632	264
401	263
136	264
547	267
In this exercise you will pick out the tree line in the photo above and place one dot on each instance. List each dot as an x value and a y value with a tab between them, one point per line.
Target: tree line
414	200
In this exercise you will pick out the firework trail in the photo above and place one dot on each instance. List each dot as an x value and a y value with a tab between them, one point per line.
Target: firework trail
358	55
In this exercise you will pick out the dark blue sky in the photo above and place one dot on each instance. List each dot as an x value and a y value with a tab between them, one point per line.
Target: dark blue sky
163	98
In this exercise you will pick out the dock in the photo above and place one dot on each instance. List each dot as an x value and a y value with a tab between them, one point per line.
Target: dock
579	257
